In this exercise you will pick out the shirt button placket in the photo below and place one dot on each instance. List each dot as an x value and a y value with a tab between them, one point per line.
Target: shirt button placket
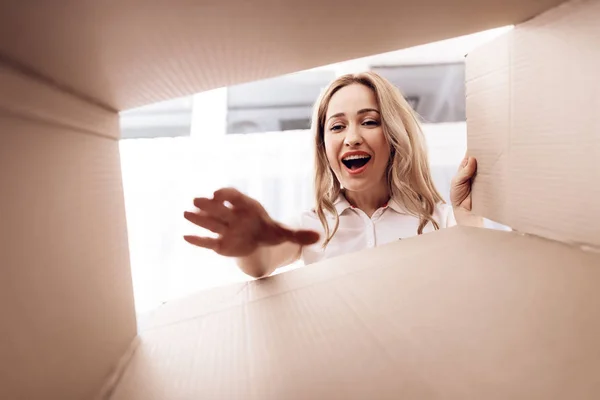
370	233
369	229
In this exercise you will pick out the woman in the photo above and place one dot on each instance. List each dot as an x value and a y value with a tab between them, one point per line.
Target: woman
372	186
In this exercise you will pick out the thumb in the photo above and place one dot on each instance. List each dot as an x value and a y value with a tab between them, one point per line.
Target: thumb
466	170
305	237
302	237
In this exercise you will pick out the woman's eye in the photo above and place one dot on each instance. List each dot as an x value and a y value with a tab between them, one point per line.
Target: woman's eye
336	127
371	122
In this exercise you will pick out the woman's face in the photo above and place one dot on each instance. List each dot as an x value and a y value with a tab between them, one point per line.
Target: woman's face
356	147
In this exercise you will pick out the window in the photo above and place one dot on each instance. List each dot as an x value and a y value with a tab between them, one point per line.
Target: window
170	118
272	105
435	91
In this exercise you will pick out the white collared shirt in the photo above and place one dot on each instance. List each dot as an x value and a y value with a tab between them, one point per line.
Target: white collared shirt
357	231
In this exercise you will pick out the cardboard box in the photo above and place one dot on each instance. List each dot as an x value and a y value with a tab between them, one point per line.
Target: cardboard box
462	313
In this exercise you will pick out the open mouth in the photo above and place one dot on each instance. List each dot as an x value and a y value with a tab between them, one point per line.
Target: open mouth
356	162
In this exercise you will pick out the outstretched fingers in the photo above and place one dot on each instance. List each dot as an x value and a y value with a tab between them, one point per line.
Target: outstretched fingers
206	221
230	195
215	209
204	242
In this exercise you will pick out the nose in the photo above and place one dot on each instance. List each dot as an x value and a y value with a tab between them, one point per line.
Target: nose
353	137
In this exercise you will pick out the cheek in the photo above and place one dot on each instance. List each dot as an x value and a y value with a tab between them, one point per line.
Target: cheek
332	151
377	142
381	147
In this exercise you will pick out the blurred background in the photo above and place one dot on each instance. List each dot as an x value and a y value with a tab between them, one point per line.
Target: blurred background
255	137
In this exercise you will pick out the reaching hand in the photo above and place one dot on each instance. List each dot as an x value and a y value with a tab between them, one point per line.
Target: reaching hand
243	225
460	191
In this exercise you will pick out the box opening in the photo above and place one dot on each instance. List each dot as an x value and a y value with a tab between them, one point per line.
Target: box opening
255	137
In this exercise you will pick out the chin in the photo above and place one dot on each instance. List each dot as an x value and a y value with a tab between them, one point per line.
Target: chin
357	184
362	182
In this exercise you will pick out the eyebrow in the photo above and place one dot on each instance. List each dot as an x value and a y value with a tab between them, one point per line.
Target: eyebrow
361	111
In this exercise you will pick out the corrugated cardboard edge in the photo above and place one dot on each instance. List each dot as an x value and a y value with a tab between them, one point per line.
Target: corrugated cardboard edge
114	378
210	300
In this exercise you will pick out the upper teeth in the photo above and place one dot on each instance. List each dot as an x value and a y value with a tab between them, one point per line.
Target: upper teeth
356	157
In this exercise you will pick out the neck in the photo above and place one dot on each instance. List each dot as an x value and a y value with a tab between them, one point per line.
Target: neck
369	200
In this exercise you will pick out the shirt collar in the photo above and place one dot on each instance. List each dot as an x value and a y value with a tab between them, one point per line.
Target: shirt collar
341	204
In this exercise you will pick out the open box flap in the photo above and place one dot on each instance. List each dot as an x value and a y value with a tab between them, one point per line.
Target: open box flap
533	97
511	317
66	309
124	54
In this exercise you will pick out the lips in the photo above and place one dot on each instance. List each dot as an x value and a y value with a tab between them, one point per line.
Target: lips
356	161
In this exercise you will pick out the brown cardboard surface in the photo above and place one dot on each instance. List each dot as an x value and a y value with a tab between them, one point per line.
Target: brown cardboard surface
462	313
532	108
66	301
124	54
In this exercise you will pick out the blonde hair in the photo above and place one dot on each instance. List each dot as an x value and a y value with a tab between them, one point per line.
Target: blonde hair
408	175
